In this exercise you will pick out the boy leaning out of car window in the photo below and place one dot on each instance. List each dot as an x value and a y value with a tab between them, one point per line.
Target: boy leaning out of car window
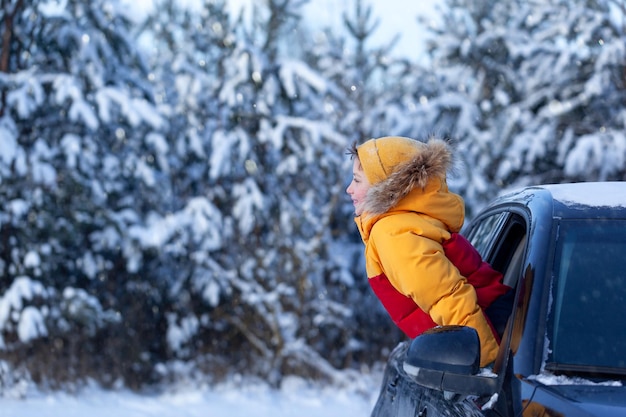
421	269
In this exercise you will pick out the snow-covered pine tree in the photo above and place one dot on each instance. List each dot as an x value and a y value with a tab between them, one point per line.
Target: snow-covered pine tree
253	141
532	91
275	155
78	170
190	54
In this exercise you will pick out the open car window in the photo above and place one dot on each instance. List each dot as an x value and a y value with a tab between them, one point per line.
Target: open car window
482	233
500	239
507	236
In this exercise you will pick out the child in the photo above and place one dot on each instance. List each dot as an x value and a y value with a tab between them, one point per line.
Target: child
409	222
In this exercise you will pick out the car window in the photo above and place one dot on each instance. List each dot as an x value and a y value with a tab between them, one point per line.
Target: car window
587	326
508	243
498	238
482	232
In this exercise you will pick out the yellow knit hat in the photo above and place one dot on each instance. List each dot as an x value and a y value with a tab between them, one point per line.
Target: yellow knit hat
380	157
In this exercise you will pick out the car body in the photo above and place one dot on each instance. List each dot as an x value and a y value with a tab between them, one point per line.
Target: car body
563	353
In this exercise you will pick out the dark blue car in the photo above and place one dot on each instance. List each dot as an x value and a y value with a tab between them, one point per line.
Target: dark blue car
563	352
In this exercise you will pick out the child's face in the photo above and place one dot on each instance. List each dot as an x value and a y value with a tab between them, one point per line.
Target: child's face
358	187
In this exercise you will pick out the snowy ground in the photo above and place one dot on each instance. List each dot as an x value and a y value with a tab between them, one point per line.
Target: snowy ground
296	398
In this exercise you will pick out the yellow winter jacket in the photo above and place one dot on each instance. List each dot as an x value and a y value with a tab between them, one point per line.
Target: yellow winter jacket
405	244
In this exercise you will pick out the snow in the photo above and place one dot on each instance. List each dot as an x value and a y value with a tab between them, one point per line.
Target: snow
9	144
595	194
547	378
249	201
31	325
199	216
291	69
27	97
53	8
178	335
29	320
233	399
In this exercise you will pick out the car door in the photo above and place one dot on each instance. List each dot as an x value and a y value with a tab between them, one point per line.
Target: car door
500	236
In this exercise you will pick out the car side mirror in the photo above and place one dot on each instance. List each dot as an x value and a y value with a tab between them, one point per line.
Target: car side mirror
447	359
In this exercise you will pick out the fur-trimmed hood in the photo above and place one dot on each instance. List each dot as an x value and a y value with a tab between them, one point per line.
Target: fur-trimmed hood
427	163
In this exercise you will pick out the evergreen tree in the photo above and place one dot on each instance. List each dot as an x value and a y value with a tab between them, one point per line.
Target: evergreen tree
531	91
278	193
76	118
254	145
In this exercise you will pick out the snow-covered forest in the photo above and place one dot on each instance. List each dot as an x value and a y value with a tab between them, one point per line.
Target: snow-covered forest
172	197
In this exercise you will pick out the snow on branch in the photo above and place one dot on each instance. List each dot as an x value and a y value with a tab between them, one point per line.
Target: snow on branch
292	71
15	313
249	201
134	110
199	220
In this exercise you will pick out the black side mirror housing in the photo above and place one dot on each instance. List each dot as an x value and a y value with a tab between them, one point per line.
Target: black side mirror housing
447	358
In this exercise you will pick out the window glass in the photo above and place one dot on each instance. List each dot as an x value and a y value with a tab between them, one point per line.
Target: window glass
587	325
482	235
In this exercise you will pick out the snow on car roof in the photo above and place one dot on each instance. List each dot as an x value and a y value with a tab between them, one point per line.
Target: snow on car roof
595	194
